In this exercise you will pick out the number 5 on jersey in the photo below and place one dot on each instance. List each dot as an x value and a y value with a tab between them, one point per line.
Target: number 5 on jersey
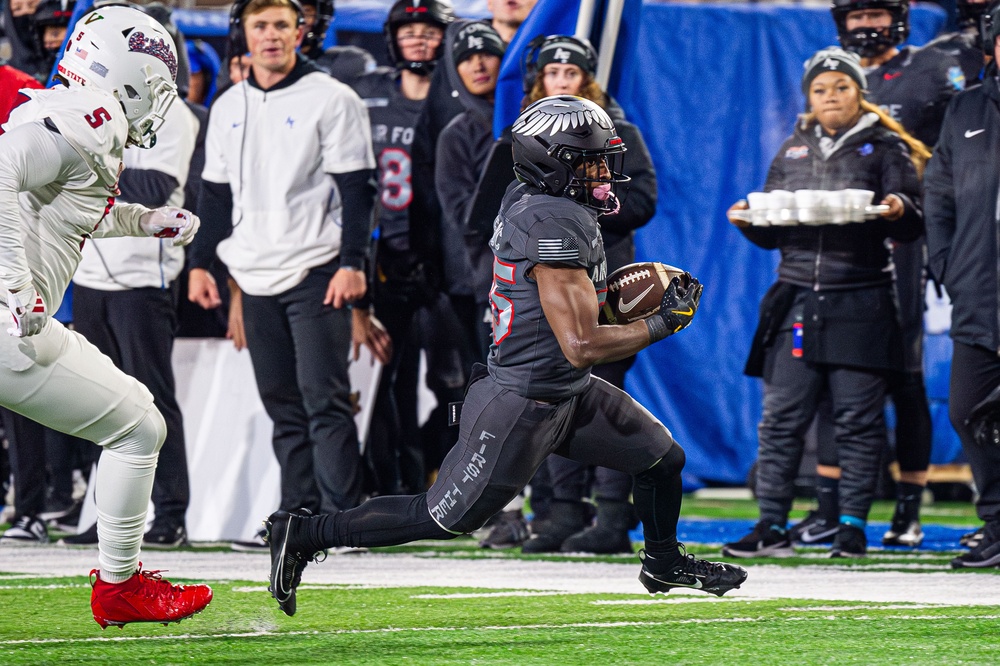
501	306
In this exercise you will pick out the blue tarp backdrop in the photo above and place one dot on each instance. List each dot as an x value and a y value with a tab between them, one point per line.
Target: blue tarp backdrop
714	88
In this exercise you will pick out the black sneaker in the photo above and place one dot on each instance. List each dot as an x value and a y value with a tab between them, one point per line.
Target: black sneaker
255	544
26	531
68	521
164	535
904	533
849	542
813	529
972	539
288	559
986	554
86	538
765	540
509	531
713	577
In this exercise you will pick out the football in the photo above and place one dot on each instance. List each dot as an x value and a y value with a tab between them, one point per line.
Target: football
635	292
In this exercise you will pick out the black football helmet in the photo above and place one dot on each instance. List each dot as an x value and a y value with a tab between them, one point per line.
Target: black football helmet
434	12
870	42
312	42
989	27
567	146
51	13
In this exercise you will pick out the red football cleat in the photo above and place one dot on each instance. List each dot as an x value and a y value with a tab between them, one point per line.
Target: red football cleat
145	597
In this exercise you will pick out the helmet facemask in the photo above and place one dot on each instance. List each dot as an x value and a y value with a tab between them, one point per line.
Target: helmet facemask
162	93
597	175
870	42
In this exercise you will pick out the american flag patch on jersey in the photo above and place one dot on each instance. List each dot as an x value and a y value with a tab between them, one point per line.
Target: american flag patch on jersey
558	249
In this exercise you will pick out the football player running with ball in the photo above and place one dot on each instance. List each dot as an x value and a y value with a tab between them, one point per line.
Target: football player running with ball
60	158
537	395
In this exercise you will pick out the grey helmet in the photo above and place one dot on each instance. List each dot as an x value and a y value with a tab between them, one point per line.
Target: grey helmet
556	138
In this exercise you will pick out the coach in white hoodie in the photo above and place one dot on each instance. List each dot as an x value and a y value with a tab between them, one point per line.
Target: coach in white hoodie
287	196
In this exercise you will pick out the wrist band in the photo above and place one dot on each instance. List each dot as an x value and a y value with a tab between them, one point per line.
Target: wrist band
657	328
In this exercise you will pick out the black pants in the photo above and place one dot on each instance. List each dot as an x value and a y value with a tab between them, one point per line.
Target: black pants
135	329
572	480
27	461
792	390
975	371
299	350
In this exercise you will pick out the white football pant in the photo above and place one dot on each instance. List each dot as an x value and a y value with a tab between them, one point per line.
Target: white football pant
62	381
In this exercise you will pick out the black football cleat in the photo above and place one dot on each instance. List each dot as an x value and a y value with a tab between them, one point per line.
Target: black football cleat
690	573
287	559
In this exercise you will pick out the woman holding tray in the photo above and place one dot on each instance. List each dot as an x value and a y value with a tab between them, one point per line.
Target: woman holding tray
829	325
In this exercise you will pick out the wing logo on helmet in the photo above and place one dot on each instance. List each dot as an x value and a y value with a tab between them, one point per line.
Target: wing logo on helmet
139	43
555	122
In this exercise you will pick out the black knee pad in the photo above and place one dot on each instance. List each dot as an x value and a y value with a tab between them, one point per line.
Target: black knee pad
669	466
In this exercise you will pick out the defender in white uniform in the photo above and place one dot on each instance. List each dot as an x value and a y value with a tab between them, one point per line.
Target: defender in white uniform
60	158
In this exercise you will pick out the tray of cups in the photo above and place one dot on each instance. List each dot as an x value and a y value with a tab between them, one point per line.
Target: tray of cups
809	207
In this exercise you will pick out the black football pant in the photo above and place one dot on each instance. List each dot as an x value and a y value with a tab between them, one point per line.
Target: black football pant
792	390
135	329
975	371
299	350
503	439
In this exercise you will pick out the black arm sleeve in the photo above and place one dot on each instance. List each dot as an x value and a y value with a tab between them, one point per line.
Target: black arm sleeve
148	187
216	212
357	194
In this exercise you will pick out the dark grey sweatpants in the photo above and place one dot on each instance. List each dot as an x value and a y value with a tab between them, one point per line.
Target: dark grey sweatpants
505	437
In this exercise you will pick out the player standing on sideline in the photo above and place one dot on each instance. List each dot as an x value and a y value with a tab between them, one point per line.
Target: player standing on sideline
538	396
913	86
60	159
414	31
287	178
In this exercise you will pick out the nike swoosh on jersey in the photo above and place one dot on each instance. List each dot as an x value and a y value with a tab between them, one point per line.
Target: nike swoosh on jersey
971	133
627	306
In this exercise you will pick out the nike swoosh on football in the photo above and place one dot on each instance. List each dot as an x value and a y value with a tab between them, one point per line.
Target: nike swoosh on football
971	133
627	306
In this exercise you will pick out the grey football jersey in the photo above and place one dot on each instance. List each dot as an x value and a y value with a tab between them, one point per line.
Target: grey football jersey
534	228
393	120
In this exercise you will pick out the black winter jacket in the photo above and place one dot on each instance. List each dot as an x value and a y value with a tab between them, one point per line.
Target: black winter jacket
839	273
961	186
829	257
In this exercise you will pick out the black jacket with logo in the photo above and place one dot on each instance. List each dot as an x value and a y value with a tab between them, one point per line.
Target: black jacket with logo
840	271
962	185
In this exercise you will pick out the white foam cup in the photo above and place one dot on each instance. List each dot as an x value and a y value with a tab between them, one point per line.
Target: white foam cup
781	207
758	208
837	202
857	200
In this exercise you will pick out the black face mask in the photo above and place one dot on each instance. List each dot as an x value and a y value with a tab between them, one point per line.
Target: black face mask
868	42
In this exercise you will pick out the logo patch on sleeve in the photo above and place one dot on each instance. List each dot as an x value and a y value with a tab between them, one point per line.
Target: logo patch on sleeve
558	249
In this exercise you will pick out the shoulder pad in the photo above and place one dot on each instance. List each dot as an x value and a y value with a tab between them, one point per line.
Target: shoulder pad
92	121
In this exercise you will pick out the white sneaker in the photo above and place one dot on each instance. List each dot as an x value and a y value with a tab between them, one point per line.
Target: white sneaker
28	530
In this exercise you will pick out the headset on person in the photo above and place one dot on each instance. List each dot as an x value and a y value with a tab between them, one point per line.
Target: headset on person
529	61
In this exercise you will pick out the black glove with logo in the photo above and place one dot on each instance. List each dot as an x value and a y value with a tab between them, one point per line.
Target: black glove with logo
680	302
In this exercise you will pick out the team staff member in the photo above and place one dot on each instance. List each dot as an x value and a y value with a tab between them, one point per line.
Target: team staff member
414	32
60	159
288	172
913	87
961	190
830	324
537	396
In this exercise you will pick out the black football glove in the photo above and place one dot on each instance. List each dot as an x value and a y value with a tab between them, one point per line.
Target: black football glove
680	302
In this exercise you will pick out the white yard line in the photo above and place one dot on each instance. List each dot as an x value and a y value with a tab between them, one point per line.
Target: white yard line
833	583
522	627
